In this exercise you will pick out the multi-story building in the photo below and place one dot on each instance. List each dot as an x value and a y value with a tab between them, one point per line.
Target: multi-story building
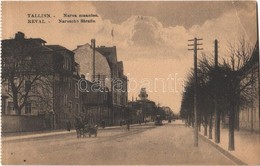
67	96
118	93
39	84
97	79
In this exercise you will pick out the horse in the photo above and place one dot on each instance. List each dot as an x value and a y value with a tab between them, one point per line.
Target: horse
80	127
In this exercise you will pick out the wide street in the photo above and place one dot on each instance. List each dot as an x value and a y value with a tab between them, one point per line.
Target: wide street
145	144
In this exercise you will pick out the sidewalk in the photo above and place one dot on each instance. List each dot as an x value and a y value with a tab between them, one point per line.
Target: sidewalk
37	134
247	145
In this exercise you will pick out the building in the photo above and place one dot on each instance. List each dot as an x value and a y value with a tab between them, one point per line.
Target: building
67	97
168	113
96	75
118	92
144	109
23	61
39	85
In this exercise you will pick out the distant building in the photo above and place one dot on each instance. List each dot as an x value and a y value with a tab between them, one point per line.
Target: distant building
168	113
145	109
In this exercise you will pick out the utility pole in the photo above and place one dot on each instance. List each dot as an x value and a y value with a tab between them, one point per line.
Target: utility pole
216	111
195	49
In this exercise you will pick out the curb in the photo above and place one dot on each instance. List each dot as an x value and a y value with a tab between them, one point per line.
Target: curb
223	151
40	135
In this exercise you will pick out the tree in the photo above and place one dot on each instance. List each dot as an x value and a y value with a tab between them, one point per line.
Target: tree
27	71
230	84
238	83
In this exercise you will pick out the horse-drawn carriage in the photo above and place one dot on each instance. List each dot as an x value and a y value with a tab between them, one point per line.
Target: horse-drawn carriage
84	128
91	130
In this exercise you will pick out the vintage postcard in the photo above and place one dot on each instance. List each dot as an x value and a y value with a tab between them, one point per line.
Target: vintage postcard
130	83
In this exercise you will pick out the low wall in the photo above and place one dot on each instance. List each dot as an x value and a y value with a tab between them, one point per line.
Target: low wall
15	123
245	125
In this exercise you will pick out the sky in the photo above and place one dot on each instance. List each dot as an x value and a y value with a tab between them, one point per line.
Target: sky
151	37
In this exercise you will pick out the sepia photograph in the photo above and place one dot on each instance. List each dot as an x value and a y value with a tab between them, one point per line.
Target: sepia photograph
130	83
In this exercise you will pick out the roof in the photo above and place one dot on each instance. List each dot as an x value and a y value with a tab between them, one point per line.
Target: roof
20	38
58	48
109	53
29	45
38	40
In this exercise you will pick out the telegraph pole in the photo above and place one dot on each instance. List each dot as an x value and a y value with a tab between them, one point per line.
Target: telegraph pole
195	49
216	111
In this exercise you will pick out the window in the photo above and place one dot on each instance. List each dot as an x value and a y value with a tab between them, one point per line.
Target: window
10	106
69	82
70	106
9	86
27	86
65	99
77	108
65	79
76	91
28	108
67	63
105	95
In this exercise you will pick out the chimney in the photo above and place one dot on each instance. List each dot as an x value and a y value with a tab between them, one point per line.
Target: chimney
93	45
19	36
82	76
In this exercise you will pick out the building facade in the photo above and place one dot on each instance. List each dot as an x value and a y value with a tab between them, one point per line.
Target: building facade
67	97
96	75
38	82
118	93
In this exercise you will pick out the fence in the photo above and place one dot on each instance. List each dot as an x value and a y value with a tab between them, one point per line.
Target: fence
15	123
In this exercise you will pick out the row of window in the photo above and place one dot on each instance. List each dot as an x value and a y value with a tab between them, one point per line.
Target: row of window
28	107
67	63
27	86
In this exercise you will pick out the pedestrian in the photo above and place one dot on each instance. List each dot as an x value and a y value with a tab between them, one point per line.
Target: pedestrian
68	125
128	125
103	124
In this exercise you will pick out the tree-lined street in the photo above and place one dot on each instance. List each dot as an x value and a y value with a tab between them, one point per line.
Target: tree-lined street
145	144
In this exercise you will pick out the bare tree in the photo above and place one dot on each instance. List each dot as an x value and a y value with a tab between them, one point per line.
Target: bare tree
235	78
239	83
27	71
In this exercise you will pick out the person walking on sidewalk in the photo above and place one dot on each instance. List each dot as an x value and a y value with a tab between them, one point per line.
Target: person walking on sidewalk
103	123
68	125
128	125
